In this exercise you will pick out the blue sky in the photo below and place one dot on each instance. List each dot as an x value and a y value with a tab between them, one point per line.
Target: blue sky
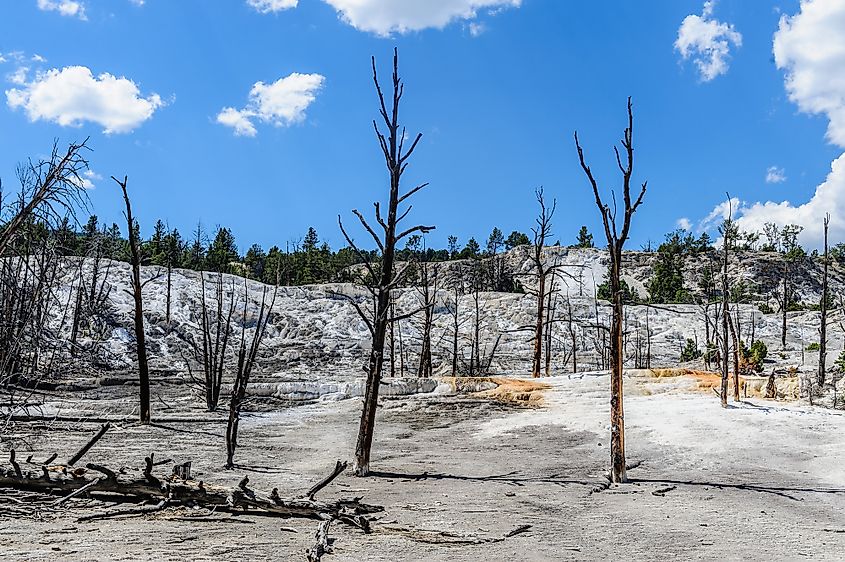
497	93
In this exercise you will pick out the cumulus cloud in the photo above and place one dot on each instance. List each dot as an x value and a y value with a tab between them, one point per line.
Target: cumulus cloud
267	6
810	48
88	178
281	103
707	42
683	223
69	8
384	17
72	96
775	175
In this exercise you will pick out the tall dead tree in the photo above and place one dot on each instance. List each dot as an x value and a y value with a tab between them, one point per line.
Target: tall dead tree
823	310
382	277
428	298
247	355
541	232
137	288
726	244
615	243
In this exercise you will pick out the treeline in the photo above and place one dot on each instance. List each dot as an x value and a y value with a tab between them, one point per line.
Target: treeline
308	261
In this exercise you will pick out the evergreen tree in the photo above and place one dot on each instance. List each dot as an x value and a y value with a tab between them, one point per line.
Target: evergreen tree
667	281
222	251
515	239
453	246
471	250
585	239
495	242
255	261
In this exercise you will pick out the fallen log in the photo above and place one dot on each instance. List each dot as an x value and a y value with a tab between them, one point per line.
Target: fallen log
323	544
142	485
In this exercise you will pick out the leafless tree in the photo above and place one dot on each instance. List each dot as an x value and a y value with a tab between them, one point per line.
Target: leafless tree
137	290
215	331
616	241
383	277
823	310
541	231
726	244
427	290
247	355
50	189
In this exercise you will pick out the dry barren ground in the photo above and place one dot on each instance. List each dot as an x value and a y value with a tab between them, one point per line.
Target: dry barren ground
761	480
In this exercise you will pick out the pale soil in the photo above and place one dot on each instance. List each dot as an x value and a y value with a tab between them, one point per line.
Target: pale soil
761	480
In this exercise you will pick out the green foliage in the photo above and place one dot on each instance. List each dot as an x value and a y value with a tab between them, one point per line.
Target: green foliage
222	252
753	357
840	361
690	351
495	242
667	282
765	308
516	239
813	346
471	250
585	239
629	296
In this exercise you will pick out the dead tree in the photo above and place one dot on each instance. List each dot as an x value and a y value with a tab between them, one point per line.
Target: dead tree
541	232
453	307
570	328
215	330
137	288
615	243
49	189
382	277
726	243
246	362
428	299
823	311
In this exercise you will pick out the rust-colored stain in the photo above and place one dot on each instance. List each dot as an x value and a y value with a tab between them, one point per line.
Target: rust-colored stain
786	388
525	392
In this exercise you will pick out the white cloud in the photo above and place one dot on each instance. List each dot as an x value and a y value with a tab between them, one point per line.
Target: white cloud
775	175
70	8
72	95
384	17
267	6
810	48
684	223
476	28
38	58
138	2
719	213
281	103
88	178
18	77
707	42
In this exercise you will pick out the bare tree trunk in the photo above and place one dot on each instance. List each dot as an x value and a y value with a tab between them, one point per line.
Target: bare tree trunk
246	362
385	280
725	312
541	232
736	340
785	303
823	311
616	242
140	338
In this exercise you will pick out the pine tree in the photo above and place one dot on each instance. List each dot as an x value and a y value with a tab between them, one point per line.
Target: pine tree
585	239
222	252
515	239
495	241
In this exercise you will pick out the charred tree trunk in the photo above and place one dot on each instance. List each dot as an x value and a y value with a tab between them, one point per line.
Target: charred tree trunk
137	287
246	362
541	232
725	313
615	243
823	312
382	275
